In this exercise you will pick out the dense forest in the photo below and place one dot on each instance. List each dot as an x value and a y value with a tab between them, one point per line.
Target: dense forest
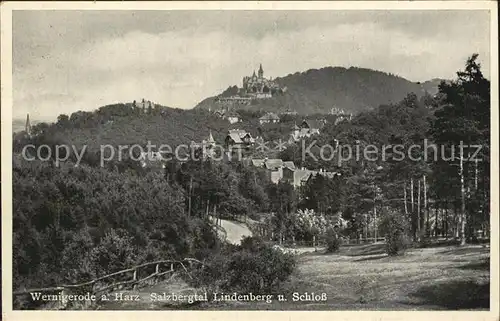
440	190
120	124
74	223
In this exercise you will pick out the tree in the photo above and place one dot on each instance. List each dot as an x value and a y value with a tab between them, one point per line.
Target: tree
462	123
62	121
308	224
323	194
283	202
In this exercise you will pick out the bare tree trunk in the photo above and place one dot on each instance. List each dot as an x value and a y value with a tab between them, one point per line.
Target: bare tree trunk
475	175
418	211
190	195
486	213
215	215
413	209
406	200
462	192
436	219
426	211
281	234
411	197
445	220
366	229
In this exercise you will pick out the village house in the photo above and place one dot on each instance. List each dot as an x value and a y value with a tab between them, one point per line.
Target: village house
306	129
238	138
279	170
269	118
312	127
227	113
289	112
323	173
336	111
274	167
150	158
298	177
232	117
341	115
220	113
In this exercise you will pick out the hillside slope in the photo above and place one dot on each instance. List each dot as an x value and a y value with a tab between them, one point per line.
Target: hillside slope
352	89
119	125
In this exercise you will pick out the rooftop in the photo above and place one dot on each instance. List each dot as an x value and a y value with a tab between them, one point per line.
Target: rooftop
270	116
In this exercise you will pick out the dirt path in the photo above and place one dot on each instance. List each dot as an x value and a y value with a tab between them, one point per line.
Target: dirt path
235	231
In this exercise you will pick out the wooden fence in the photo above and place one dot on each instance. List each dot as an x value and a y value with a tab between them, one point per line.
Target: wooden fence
109	282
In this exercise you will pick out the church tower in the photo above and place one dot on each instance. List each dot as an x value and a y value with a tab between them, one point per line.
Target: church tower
261	71
27	127
211	139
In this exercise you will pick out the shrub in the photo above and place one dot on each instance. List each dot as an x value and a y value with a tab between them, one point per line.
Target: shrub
212	277
396	229
332	241
254	266
424	242
115	252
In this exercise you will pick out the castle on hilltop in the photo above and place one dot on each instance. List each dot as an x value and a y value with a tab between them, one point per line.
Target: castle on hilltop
259	87
143	105
254	87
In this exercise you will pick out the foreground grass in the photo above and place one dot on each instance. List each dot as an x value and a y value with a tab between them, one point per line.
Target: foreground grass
362	277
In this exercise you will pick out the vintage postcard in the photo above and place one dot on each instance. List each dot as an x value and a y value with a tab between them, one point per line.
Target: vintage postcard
278	160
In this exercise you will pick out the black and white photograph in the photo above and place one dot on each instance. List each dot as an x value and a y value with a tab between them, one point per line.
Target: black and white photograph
262	158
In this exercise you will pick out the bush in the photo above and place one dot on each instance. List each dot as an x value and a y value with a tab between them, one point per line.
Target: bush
424	242
115	252
254	266
332	241
396	229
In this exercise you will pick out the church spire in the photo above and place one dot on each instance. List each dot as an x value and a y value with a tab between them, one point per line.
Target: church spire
210	137
27	127
261	71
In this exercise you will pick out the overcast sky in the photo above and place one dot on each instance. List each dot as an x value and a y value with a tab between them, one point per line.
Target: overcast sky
64	61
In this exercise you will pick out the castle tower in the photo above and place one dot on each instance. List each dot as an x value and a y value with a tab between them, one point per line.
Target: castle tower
261	71
27	127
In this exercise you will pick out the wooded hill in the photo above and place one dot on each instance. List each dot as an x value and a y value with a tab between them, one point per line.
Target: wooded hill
318	90
119	124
